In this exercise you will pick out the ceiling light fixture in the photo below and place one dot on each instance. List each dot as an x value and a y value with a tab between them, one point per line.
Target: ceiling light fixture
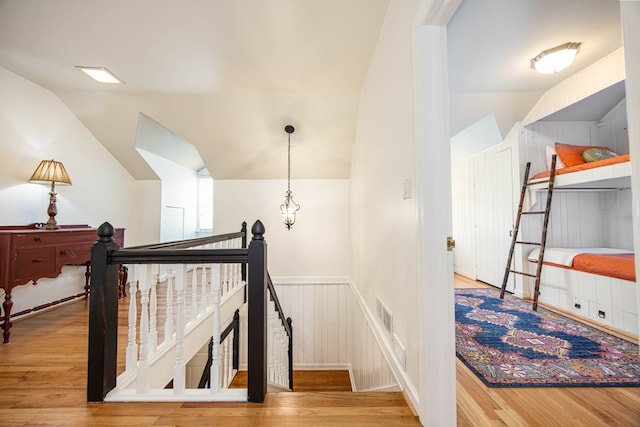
101	74
555	59
289	207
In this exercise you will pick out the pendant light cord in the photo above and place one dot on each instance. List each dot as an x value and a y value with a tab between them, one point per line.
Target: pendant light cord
289	165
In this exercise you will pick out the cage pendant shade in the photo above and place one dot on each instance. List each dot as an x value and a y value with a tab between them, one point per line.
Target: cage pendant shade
289	207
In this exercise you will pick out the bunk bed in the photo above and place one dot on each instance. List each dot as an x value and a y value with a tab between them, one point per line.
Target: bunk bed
597	283
613	173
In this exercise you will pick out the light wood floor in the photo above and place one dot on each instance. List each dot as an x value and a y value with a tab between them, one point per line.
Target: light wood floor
43	382
479	405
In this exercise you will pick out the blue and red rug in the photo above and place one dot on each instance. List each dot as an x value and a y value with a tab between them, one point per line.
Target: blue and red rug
507	344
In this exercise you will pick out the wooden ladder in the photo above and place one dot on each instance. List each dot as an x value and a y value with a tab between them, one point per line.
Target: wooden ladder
543	239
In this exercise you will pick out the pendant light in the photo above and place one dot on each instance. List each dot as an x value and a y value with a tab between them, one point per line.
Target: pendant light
289	207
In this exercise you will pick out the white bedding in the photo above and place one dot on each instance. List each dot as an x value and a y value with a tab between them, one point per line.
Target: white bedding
564	256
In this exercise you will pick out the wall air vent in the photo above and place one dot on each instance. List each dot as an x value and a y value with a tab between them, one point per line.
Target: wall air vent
384	315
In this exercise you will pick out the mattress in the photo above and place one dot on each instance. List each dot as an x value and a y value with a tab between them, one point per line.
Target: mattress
585	166
617	263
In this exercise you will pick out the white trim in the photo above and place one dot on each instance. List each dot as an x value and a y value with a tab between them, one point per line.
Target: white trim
322	367
436	353
310	280
387	351
389	387
190	395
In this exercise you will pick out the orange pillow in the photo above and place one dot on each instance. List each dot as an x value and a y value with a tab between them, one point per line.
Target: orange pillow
571	155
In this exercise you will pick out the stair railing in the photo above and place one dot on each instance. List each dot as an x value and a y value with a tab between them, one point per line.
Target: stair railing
280	342
103	317
228	355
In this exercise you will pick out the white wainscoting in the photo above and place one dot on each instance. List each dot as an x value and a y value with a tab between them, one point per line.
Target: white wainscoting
331	331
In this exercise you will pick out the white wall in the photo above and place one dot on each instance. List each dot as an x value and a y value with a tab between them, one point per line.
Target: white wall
476	138
384	223
35	125
179	194
316	249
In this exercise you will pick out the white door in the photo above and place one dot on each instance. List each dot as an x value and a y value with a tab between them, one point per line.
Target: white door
504	213
494	221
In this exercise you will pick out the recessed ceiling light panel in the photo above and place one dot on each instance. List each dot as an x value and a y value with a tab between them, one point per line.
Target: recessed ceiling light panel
101	74
555	59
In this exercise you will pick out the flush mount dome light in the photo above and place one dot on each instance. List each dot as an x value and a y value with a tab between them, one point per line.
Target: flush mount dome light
555	59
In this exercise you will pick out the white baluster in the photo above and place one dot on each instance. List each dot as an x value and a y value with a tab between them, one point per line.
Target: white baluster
203	290
168	323
142	381
225	278
153	307
181	324
270	343
238	278
132	345
193	312
226	360
215	353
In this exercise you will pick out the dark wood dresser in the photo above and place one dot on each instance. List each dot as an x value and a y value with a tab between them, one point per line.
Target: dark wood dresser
29	253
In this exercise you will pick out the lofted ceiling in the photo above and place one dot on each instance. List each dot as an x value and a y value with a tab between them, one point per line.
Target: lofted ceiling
227	75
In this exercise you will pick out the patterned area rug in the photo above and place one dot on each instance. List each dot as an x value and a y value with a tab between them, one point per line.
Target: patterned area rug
507	344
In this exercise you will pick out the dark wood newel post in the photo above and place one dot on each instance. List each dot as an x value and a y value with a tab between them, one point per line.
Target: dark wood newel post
290	353
103	317
257	316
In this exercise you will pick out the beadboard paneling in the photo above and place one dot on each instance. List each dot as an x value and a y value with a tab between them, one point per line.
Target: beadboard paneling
330	330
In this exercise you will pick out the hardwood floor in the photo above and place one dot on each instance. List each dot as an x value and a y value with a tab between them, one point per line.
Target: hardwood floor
478	405
43	382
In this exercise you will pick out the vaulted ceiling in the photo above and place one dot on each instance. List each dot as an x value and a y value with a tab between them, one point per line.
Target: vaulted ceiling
227	75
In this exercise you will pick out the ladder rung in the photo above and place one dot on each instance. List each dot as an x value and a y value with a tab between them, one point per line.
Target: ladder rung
528	243
524	274
533	213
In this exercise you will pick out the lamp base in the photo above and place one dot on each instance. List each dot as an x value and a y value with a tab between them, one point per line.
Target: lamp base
51	224
52	211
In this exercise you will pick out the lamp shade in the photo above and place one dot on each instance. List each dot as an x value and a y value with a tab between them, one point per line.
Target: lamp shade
51	171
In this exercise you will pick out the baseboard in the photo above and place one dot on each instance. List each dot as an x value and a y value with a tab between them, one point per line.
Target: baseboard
398	371
322	367
310	280
390	387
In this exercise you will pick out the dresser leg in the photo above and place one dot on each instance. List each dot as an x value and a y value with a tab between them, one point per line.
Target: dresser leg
123	279
6	326
87	276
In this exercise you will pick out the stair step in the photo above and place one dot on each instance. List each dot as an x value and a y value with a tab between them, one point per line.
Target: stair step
309	380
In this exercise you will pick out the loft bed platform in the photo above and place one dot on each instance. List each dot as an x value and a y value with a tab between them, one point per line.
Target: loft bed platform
609	174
